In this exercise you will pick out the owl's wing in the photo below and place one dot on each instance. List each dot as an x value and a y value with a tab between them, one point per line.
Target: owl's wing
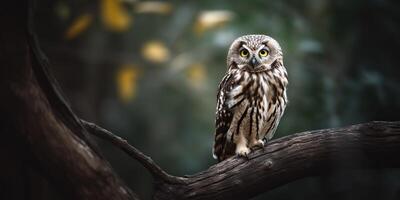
222	147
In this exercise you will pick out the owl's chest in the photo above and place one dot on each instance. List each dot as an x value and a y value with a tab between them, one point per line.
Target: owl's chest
259	96
260	102
255	91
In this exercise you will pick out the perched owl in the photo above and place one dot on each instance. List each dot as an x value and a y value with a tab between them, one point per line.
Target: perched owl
251	96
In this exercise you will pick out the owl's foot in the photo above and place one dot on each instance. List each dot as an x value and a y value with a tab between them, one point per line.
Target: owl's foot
258	143
242	151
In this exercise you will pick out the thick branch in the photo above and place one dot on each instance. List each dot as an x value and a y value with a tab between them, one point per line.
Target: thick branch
363	146
370	145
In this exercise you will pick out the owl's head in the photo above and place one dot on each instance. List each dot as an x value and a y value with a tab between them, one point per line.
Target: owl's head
254	53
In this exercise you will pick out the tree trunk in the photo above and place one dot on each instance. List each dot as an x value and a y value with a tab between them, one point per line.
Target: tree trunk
42	138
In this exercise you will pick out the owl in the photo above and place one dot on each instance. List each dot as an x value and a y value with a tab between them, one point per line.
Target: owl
251	96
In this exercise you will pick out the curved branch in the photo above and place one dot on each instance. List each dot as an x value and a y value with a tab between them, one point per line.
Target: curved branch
363	146
121	143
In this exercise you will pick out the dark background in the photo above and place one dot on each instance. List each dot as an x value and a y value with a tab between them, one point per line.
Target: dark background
149	70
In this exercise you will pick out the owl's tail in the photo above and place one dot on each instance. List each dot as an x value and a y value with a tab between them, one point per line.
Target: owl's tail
219	143
222	149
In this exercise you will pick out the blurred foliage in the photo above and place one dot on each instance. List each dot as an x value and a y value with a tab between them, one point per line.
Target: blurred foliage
114	16
154	7
208	20
127	80
155	51
196	74
149	70
78	26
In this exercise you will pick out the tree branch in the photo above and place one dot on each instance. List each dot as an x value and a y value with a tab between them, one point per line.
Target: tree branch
121	143
363	146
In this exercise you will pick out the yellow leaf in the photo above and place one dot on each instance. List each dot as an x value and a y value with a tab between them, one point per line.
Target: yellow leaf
207	20
78	26
196	74
156	7
155	51
127	77
114	16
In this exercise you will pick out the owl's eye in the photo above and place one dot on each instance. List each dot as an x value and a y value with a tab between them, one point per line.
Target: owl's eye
263	52
244	53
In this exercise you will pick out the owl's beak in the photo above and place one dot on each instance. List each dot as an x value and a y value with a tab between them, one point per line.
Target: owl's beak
254	62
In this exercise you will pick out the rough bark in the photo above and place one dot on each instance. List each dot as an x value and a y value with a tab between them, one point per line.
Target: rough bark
35	118
365	146
372	145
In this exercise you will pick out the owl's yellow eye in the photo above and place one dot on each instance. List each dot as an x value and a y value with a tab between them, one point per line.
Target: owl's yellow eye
263	53
244	53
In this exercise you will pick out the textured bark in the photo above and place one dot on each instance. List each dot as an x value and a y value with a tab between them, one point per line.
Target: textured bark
364	146
48	142
372	145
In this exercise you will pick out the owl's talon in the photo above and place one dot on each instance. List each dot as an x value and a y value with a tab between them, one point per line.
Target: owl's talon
264	143
245	155
258	144
242	152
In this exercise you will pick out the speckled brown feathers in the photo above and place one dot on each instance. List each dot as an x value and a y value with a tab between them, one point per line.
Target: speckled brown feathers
251	96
